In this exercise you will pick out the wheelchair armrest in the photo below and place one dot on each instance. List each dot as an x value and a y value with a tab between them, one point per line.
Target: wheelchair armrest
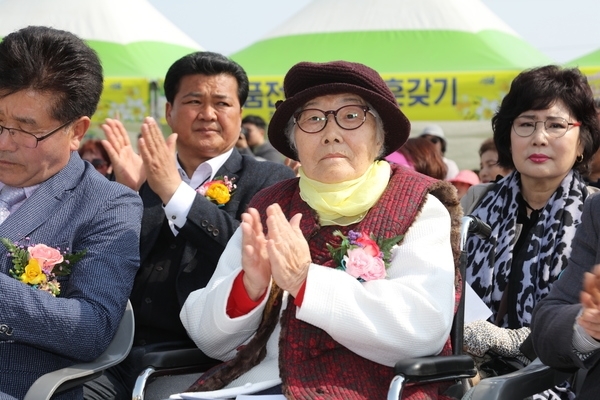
431	369
534	378
168	359
178	358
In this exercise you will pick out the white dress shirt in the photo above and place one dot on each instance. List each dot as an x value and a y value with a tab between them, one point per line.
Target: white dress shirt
180	204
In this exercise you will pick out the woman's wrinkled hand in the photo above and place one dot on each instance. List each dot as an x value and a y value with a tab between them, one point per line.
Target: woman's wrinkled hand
288	250
255	260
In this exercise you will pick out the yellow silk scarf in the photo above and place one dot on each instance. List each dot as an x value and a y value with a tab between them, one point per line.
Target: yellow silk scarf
348	202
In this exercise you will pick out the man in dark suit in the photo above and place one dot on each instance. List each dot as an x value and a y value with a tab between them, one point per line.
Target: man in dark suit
184	231
566	323
50	85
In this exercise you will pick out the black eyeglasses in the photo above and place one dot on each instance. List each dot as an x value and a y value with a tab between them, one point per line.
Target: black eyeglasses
27	139
313	120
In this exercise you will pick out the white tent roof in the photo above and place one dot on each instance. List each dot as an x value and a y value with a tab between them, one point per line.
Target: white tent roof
393	36
327	16
116	21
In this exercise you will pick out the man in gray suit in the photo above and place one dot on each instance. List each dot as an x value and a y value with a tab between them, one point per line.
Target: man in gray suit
50	85
184	228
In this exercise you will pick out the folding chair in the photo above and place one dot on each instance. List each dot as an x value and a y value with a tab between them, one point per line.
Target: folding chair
67	378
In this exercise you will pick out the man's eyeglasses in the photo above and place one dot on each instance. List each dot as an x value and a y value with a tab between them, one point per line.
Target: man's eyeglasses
554	126
313	120
26	139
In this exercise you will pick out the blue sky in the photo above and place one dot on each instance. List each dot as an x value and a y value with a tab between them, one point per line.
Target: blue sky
561	29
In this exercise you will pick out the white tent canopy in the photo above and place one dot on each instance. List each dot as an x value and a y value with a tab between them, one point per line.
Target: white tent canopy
327	16
131	37
117	21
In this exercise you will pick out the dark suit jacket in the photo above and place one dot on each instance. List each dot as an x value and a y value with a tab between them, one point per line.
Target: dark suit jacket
77	209
209	227
554	316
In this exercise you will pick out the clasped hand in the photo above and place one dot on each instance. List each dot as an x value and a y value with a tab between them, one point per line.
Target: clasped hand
283	255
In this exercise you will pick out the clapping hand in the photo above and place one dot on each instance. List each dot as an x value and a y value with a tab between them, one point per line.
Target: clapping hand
255	260
128	166
283	256
288	250
160	164
590	300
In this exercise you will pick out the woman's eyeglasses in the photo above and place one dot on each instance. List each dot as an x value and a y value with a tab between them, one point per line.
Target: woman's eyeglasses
313	120
554	126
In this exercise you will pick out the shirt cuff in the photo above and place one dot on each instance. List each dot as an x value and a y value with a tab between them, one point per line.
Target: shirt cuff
239	303
300	295
178	208
583	343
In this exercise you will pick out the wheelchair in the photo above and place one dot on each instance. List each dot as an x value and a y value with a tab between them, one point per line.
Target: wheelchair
457	367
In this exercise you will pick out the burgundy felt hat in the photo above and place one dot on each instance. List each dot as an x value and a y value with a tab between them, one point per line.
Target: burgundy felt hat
307	80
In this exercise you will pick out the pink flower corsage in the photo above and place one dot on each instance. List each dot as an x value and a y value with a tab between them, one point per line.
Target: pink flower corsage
219	190
40	265
361	256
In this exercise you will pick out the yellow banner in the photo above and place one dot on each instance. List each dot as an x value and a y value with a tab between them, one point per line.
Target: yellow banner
468	96
426	97
125	98
593	75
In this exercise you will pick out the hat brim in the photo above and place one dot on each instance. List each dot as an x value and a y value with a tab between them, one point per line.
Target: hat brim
395	123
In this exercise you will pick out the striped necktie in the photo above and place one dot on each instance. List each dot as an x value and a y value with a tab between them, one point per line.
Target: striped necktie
9	196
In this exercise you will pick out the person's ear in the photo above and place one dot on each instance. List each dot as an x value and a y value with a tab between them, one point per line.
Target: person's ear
78	130
168	109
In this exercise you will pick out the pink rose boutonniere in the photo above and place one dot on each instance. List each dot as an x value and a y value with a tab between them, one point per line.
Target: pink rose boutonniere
219	190
40	265
362	256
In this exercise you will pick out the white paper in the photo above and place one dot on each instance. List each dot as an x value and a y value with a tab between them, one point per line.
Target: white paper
475	308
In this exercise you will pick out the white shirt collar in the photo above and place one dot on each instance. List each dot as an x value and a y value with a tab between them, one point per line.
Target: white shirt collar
205	171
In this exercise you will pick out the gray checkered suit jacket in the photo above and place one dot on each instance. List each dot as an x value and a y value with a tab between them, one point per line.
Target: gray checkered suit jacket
79	209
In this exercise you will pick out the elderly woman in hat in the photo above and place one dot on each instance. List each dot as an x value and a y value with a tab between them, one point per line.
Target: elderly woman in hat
336	275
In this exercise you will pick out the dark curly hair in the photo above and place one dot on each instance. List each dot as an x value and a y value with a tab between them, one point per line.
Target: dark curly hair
538	89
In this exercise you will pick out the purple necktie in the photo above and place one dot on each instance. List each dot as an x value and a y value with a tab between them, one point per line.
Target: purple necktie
9	196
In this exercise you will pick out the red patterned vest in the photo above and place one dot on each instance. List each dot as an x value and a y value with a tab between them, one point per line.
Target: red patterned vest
312	364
